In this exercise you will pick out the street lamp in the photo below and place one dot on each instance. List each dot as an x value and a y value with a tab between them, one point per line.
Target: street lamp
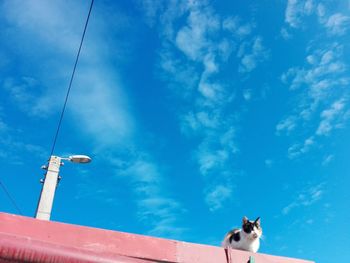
78	159
50	183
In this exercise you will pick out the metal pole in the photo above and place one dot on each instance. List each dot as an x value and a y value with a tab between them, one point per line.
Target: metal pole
49	187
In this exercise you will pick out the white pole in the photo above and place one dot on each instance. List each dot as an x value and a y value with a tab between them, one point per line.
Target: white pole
49	187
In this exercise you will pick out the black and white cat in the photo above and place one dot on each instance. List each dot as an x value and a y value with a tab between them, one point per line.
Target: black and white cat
247	238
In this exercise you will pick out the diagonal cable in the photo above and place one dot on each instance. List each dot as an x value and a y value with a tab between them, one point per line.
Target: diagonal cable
71	81
10	198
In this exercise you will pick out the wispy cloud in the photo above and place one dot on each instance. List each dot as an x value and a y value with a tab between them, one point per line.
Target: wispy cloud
332	118
235	26
151	10
338	24
89	189
298	149
30	96
286	34
250	59
216	196
305	198
145	182
288	124
296	9
327	159
321	85
155	206
321	12
206	41
98	101
335	24
192	39
3	126
12	146
319	74
98	94
247	94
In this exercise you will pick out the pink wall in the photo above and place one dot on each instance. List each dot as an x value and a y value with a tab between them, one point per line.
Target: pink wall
32	240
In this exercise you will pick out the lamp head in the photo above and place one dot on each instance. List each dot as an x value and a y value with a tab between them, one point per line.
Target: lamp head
79	159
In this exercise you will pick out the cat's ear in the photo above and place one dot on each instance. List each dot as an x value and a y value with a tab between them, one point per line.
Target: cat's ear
245	220
257	221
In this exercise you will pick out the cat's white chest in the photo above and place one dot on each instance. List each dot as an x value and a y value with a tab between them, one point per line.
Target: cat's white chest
246	244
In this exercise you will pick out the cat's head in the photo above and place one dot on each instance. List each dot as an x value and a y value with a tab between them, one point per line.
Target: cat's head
252	229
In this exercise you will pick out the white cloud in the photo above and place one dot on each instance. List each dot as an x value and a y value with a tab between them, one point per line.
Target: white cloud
182	77
155	207
235	26
305	198
248	63
308	6
338	24
321	10
323	65
97	101
311	59
192	39
335	24
322	80
159	208
151	10
3	126
225	48
88	188
208	119
296	10
250	59
31	97
297	149
212	91
310	221
217	196
135	170
288	208
287	125
45	20
327	159
247	94
332	118
321	86
209	160
292	11
205	42
13	147
165	227
101	107
189	123
285	34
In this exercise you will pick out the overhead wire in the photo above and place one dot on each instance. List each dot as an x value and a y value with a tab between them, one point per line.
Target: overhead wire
70	82
62	112
10	198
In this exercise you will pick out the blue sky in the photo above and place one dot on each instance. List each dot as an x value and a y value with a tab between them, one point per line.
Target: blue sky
195	113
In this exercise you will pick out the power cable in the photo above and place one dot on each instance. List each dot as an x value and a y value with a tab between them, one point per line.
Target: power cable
10	198
71	81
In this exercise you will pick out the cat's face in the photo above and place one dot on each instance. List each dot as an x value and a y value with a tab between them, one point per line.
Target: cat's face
252	229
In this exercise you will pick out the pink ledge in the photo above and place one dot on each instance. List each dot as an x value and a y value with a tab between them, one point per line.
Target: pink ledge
24	239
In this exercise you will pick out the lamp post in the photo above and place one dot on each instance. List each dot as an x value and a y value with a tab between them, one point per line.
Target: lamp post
50	183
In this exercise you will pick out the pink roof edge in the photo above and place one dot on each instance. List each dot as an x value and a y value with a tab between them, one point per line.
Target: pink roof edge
24	239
